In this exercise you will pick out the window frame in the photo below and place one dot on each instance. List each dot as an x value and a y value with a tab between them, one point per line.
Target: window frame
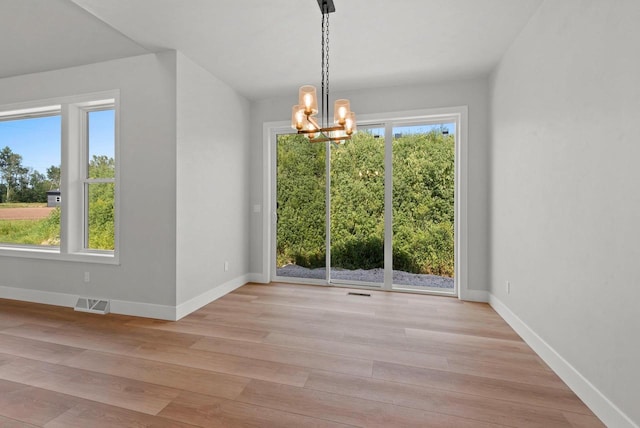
457	114
73	164
84	170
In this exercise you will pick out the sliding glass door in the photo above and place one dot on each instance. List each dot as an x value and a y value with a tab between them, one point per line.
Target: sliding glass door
379	210
300	209
423	206
357	209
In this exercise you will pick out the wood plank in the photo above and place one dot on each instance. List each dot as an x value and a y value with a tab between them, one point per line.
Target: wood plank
358	350
203	328
278	354
96	415
34	405
36	349
224	363
75	339
555	398
159	373
532	375
134	333
116	391
577	420
475	340
212	412
12	423
7	387
472	351
309	328
455	404
353	411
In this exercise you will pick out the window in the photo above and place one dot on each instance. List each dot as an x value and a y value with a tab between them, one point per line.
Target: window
59	179
391	210
29	168
99	180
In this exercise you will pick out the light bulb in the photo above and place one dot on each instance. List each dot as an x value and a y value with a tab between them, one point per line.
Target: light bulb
340	111
297	117
308	100
350	123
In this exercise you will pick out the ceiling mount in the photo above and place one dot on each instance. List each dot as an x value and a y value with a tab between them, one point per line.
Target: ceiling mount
326	6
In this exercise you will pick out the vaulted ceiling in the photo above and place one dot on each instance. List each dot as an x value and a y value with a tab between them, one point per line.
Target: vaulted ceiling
266	47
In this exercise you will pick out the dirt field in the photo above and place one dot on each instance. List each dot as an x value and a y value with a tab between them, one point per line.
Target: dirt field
34	213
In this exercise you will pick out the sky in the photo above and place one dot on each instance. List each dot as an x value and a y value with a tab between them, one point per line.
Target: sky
415	129
37	140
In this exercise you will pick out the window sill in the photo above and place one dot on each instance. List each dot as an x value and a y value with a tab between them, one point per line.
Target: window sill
102	257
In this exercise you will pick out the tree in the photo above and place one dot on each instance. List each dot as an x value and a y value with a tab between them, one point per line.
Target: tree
101	204
53	175
11	170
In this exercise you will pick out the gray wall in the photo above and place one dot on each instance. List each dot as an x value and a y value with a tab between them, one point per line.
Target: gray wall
184	158
212	181
147	164
472	93
565	200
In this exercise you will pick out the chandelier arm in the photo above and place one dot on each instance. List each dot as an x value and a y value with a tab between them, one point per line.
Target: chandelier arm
332	139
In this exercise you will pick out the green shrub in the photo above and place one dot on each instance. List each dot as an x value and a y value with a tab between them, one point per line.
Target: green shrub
423	197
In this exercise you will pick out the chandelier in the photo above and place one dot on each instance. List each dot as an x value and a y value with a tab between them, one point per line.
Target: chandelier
303	117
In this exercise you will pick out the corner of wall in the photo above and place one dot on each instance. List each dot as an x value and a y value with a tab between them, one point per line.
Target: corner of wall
592	396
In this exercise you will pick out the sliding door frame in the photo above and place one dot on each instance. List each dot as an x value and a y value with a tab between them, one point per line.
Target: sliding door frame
457	115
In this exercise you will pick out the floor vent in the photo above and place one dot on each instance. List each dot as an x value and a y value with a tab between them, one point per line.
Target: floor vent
95	306
358	294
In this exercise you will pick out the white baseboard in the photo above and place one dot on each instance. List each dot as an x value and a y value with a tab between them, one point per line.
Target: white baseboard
475	295
38	296
192	305
599	404
144	310
258	278
124	307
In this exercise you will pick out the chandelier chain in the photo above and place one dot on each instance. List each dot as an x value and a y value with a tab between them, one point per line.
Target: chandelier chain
326	36
324	100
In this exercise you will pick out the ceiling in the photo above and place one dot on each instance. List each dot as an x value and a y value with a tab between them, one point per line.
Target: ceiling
264	48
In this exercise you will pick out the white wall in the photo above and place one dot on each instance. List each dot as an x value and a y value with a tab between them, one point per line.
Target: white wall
212	183
147	164
565	202
472	93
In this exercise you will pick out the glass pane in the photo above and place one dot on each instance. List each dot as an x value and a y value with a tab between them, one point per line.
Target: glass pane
30	181
357	208
423	206
101	230
101	140
300	228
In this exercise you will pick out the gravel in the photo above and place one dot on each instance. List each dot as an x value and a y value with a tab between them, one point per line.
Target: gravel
370	275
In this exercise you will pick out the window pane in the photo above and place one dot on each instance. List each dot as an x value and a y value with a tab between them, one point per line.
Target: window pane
101	131
300	182
357	208
100	213
423	207
30	181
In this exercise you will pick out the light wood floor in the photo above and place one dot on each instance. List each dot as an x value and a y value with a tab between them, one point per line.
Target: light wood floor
279	356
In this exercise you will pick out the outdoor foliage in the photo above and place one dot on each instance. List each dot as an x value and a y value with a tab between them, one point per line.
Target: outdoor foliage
423	195
19	183
300	198
23	187
101	204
